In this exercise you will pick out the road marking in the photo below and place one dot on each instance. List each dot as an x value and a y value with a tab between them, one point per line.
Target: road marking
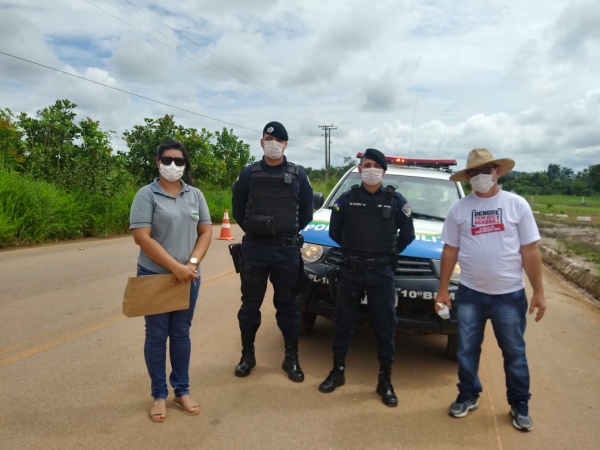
214	279
55	342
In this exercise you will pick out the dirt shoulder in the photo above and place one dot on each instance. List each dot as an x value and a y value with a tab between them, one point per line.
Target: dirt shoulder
572	250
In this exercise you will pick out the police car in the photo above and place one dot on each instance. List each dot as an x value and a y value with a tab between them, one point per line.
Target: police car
425	183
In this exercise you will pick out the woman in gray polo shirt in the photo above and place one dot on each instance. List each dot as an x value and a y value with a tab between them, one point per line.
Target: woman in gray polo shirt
171	223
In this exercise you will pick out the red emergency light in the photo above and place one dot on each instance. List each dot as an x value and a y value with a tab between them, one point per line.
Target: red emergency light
422	162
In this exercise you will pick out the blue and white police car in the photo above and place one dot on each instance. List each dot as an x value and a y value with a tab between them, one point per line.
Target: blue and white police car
425	183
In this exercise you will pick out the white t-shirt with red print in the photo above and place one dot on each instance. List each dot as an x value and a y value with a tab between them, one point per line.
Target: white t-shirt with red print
489	233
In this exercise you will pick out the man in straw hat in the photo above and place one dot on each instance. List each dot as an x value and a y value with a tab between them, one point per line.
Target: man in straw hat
493	235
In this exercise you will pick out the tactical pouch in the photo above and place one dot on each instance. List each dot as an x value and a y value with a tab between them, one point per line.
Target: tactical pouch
235	250
332	279
260	225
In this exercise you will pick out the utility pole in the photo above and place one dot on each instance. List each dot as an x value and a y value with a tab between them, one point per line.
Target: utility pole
327	129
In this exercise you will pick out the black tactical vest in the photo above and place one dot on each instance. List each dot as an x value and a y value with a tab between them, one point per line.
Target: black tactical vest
370	223
273	204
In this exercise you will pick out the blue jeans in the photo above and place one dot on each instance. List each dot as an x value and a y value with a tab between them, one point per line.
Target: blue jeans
175	326
507	313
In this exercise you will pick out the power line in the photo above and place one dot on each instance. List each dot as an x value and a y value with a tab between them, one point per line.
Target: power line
130	93
141	96
218	73
207	51
150	36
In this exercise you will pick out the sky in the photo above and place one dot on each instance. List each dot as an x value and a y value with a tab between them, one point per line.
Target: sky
420	78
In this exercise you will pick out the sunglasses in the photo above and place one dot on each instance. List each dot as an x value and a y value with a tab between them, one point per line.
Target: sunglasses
484	170
167	160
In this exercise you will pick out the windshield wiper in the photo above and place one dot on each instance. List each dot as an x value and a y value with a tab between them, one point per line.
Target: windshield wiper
419	215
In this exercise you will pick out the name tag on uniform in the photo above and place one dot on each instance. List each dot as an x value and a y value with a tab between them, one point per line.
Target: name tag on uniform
195	215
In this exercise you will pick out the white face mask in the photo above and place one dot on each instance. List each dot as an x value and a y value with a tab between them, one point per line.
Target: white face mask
372	176
273	149
171	172
482	182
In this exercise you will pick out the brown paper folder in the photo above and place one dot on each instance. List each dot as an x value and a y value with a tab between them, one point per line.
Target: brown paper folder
154	294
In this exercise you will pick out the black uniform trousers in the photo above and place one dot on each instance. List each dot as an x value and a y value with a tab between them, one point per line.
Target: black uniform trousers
282	265
379	284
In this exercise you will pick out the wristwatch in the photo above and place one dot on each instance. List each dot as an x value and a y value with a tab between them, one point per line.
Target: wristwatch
194	261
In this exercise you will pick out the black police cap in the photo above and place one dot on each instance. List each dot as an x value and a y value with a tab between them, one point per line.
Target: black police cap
276	130
376	156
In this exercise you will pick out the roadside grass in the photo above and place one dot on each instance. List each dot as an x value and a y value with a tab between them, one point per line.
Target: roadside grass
324	186
572	206
33	211
590	251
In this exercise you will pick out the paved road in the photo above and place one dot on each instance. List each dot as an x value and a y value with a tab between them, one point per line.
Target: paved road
72	373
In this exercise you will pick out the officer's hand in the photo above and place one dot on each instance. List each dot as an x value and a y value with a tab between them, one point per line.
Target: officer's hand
442	297
183	273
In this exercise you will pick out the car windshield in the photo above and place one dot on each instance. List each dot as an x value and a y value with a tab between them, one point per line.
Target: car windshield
429	198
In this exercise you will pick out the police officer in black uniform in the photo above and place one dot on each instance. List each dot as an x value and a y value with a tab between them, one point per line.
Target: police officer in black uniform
365	223
272	202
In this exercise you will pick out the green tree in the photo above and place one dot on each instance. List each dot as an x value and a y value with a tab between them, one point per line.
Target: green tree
143	141
231	155
216	158
11	144
102	171
50	154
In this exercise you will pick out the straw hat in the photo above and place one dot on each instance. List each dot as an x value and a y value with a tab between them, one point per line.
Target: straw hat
481	157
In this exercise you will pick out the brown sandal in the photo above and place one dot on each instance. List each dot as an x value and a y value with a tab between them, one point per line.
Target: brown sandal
158	417
193	411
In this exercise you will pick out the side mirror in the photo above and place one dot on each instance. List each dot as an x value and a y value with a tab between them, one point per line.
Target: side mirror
318	199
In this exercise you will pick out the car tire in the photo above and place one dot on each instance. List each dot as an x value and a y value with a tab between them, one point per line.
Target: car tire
452	346
307	322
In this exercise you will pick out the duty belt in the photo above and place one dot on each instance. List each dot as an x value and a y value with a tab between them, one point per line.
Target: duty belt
275	240
357	264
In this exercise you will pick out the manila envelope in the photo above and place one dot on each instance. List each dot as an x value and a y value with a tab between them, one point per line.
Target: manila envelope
154	294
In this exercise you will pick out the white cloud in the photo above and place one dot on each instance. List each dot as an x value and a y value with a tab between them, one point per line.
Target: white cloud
520	78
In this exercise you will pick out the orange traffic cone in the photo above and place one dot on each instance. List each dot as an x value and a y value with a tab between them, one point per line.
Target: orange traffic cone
226	228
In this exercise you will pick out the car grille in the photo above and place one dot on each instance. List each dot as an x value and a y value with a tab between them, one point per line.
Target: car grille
408	266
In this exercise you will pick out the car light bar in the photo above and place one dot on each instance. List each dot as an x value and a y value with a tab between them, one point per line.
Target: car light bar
422	162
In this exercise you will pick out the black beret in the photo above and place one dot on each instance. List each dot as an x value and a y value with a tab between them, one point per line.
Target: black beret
276	130
376	156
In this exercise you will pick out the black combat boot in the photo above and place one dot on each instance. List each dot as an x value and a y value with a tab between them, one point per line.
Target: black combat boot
384	387
248	360
290	363
336	376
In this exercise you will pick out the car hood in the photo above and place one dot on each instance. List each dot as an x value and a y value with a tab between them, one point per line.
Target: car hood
427	243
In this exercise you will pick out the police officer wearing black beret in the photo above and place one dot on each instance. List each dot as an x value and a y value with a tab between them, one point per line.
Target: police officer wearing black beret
372	225
272	202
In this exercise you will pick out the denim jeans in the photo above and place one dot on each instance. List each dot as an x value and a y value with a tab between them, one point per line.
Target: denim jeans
175	326
508	315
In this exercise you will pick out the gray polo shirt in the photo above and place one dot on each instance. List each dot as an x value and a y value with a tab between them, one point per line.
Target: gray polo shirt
174	220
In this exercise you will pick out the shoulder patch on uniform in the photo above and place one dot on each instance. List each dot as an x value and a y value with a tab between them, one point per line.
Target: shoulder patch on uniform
336	205
406	210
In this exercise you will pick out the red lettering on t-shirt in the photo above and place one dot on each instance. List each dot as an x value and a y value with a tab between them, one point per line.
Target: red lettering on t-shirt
487	229
483	222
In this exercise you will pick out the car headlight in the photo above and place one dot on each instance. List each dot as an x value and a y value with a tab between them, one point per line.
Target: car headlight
455	274
311	252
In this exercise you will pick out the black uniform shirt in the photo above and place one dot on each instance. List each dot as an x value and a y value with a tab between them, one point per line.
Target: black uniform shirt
402	214
241	191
